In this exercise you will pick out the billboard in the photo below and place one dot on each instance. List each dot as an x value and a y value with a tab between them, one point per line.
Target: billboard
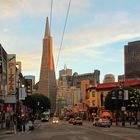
11	74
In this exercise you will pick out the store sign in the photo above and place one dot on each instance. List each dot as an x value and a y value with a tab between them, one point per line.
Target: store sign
126	95
123	108
120	95
10	99
11	76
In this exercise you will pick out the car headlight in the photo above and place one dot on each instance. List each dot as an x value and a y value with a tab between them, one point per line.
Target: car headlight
56	121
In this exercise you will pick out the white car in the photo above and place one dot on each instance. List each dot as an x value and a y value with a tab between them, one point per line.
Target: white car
55	120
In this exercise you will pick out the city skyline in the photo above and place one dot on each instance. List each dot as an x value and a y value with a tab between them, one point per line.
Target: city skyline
95	35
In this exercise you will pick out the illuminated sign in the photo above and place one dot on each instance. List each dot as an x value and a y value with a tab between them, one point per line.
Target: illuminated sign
11	76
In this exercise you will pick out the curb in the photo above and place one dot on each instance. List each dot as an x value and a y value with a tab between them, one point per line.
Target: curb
7	132
125	127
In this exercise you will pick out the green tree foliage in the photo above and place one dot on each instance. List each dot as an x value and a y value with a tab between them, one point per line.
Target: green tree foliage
134	98
38	102
111	104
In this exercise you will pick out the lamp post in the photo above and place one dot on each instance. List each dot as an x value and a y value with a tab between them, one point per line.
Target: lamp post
38	103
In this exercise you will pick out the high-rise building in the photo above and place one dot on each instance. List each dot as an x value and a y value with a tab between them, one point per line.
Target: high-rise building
65	72
65	77
47	82
121	78
94	78
3	78
132	60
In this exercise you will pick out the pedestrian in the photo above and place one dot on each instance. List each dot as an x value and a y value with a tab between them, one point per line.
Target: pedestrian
7	123
23	122
130	120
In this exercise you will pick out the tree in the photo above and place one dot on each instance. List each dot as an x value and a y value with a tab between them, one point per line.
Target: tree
112	104
38	102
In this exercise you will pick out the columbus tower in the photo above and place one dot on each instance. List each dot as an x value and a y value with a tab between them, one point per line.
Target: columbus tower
47	81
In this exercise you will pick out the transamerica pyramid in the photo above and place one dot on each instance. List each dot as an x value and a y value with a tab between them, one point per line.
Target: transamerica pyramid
47	82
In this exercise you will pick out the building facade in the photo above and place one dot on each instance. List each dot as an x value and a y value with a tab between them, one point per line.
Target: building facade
132	60
98	93
94	78
72	88
3	83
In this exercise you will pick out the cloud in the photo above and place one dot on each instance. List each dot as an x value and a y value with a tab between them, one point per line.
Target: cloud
5	30
87	40
91	44
17	8
99	36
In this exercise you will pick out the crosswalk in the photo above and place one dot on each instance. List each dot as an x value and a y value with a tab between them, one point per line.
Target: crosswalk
6	134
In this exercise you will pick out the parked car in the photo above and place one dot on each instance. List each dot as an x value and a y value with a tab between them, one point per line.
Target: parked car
45	117
66	118
102	122
77	120
55	120
96	121
71	120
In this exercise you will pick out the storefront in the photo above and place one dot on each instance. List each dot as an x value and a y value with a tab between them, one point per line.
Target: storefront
2	114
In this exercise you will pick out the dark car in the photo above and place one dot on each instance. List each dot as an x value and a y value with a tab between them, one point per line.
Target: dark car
102	122
78	120
66	118
71	120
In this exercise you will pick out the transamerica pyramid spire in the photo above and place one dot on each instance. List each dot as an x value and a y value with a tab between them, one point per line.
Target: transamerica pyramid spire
47	30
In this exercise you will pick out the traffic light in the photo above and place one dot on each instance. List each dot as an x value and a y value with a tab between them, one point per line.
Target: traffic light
28	84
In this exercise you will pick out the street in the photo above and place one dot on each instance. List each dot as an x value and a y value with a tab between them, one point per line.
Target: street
65	131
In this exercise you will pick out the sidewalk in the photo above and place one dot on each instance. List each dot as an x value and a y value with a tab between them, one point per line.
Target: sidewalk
127	125
11	132
6	132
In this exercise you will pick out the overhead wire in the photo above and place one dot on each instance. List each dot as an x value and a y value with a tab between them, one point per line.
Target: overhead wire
51	14
63	33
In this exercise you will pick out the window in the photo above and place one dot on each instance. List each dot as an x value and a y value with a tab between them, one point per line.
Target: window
93	94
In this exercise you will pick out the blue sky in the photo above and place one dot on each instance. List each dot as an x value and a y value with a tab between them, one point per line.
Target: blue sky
95	35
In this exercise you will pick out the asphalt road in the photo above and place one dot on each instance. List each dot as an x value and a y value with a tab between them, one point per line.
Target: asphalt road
65	131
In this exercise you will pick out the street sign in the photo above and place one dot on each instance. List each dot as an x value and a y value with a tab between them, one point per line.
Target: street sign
120	95
125	94
113	93
123	108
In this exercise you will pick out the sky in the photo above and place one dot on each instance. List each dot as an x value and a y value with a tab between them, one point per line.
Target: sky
95	35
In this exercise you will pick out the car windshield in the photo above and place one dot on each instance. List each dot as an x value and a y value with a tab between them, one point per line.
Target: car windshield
55	119
78	118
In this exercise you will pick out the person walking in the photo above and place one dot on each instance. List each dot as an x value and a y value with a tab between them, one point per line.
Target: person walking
7	123
130	120
23	122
